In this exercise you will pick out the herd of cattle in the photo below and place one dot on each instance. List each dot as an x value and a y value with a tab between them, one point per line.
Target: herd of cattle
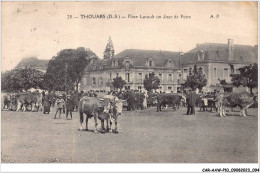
107	107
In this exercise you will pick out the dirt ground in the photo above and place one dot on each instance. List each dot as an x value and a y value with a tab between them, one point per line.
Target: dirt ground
145	136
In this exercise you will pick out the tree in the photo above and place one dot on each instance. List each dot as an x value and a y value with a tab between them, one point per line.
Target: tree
118	83
151	82
109	51
22	79
67	68
247	77
196	79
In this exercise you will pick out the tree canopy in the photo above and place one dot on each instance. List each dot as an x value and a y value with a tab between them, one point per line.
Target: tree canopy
247	77
118	83
66	69
22	79
151	82
196	79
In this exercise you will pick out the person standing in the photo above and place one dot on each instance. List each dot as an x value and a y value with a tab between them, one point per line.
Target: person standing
59	105
69	106
46	103
191	100
145	101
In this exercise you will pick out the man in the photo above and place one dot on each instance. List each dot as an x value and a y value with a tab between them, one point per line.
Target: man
59	105
46	103
191	100
69	106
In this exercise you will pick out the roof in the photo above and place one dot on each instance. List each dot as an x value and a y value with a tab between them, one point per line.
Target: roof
213	52
139	58
219	52
33	62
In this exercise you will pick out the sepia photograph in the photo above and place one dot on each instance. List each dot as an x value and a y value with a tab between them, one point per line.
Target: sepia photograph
129	82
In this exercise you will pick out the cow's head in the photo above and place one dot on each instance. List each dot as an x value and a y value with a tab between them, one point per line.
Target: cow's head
107	105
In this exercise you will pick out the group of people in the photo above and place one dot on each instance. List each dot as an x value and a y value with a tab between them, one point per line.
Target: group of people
63	103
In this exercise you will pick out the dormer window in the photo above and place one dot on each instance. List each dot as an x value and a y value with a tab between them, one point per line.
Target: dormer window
150	63
115	62
201	55
169	63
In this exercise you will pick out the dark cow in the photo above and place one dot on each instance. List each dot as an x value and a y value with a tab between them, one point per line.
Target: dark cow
231	100
207	101
6	101
164	99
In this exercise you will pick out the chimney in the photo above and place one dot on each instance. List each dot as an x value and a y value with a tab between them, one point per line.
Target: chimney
231	54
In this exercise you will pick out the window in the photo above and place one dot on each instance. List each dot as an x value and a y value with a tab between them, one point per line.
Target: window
169	88
170	77
215	72
225	73
150	63
127	77
160	77
140	76
100	81
110	75
93	81
117	74
114	63
127	63
140	88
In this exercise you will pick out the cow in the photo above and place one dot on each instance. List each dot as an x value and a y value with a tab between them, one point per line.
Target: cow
207	101
91	106
6	101
164	99
230	100
29	99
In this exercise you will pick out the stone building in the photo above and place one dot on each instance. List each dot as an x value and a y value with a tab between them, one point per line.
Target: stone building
217	61
132	65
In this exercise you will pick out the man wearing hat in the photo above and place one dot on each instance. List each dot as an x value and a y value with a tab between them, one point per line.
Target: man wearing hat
69	106
59	105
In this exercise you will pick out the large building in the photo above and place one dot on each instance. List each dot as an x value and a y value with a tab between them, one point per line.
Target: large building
217	61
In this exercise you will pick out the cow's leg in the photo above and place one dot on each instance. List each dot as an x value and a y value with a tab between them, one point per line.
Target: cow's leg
110	128
19	106
107	124
86	123
96	123
116	131
243	112
220	112
81	120
224	111
102	125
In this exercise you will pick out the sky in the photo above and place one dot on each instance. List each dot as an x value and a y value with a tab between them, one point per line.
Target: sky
42	29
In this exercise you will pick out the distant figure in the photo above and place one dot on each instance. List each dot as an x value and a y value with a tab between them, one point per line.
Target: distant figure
145	100
59	105
46	103
191	100
69	106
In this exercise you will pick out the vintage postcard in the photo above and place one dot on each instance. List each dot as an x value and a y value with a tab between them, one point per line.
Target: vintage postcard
130	82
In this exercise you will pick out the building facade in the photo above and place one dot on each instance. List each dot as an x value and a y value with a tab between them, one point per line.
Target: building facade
217	62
